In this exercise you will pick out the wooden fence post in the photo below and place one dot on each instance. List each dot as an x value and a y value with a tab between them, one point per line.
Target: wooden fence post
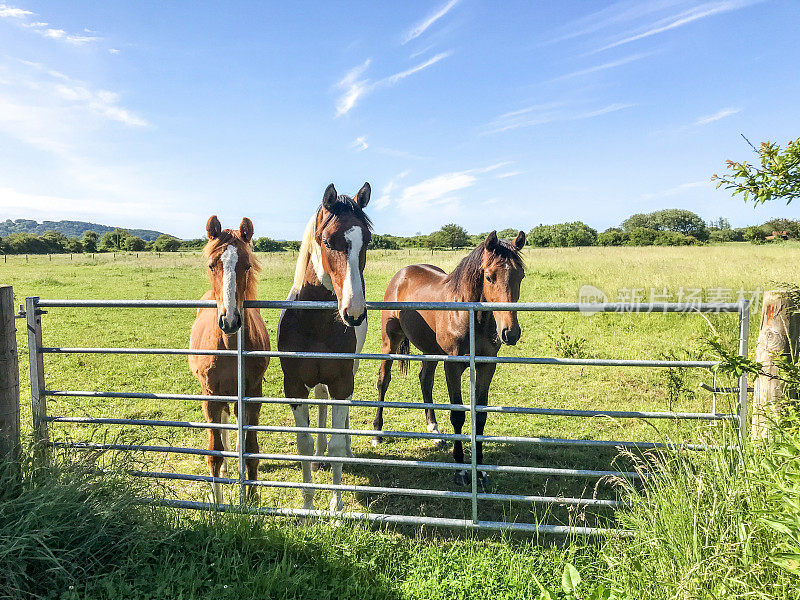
9	380
778	336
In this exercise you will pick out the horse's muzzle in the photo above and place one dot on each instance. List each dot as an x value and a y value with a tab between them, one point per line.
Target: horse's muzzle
350	321
234	326
511	335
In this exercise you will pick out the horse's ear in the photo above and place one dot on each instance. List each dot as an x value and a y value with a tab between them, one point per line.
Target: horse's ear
213	227
491	241
519	241
362	197
246	230
330	197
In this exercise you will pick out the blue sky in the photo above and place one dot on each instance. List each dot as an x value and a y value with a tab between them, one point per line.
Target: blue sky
491	115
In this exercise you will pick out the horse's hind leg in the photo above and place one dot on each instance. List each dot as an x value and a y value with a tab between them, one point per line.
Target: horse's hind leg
321	393
426	378
216	412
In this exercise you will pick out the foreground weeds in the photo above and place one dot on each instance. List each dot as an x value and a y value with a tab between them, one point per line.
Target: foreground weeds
67	533
722	523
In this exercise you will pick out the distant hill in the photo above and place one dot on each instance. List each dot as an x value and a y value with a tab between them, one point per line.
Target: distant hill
68	228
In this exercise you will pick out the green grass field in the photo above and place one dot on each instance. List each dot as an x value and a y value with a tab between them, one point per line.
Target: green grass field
553	275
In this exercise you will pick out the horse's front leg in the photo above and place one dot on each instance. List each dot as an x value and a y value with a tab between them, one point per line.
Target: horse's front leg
483	379
321	393
305	443
337	447
217	412
251	413
427	374
452	373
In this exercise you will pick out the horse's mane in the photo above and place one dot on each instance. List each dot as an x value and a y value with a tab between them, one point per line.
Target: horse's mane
344	204
468	274
225	237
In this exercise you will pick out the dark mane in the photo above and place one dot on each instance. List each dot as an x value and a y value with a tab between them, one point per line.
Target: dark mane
345	204
468	274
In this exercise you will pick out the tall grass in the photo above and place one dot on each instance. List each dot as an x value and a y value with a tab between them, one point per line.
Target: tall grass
69	533
714	524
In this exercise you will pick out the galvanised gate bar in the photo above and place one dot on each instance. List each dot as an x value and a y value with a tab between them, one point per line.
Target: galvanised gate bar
39	394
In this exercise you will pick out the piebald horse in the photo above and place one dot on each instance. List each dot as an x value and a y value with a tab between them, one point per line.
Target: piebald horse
233	273
330	266
492	272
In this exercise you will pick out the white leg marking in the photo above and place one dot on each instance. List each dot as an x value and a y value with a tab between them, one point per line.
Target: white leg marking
352	290
336	447
229	259
305	447
226	442
321	392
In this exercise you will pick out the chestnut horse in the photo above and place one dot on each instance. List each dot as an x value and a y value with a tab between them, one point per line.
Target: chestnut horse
233	274
330	266
492	272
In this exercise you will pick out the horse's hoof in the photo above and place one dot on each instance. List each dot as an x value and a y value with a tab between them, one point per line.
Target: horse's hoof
376	440
441	444
315	466
462	478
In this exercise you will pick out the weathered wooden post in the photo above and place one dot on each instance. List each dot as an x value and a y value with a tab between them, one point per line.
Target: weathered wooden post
778	336
9	380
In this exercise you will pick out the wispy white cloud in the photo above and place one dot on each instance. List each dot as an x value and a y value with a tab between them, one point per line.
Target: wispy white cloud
354	86
603	67
720	114
539	114
385	197
420	28
43	28
678	190
60	34
439	191
696	13
13	12
360	144
629	21
507	175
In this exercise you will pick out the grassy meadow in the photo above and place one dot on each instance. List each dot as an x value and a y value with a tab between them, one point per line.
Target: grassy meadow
553	275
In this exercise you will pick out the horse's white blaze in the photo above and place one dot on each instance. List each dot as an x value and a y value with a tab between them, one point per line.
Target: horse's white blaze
352	291
229	259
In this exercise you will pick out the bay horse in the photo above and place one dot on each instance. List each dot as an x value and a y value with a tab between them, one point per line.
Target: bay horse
330	266
492	272
232	270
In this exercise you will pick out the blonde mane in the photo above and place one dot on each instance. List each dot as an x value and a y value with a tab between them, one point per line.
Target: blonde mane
304	254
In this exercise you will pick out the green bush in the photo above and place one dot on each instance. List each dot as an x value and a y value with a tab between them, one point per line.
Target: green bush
612	237
576	233
641	236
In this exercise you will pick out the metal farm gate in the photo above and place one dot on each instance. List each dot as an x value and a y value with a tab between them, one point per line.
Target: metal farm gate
39	393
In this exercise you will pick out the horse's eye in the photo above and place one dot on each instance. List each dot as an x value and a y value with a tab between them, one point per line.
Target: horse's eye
490	278
327	243
247	268
211	267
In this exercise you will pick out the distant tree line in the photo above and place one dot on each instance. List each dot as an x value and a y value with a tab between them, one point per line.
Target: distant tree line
672	227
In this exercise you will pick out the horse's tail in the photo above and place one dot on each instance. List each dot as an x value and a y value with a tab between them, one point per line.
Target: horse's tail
404	348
